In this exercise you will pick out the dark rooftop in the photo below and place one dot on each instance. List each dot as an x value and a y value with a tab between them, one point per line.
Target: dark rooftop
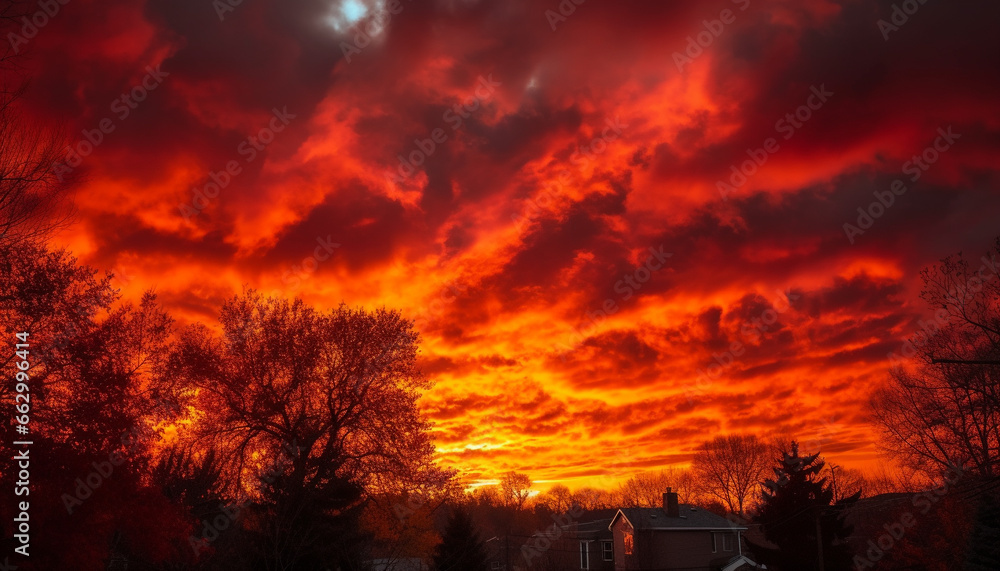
691	517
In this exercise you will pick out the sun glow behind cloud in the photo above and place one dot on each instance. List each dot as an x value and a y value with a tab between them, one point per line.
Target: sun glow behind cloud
346	13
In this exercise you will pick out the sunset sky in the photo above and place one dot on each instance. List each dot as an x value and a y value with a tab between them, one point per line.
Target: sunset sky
559	166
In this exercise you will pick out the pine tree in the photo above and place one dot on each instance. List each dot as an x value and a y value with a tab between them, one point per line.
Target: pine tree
460	549
796	504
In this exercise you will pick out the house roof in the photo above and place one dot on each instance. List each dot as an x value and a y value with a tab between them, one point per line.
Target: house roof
591	523
691	518
596	528
739	562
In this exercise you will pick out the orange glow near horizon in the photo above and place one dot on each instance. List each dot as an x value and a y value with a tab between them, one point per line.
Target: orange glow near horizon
525	245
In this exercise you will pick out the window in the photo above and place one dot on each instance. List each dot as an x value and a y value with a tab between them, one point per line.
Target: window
629	544
584	555
608	550
495	565
727	542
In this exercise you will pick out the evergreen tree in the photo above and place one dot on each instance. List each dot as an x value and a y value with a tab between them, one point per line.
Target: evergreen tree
796	504
460	549
984	542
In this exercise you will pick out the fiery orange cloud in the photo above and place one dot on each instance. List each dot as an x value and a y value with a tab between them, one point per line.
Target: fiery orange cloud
516	224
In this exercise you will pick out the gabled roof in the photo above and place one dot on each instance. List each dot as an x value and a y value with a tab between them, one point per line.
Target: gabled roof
739	561
691	518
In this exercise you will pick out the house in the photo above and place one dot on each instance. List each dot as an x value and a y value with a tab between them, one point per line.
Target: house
676	536
580	539
591	543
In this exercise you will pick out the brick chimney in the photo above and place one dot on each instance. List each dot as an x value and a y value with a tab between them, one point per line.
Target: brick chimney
670	504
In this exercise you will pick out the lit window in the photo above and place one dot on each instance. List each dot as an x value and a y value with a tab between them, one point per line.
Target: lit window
628	543
584	555
608	550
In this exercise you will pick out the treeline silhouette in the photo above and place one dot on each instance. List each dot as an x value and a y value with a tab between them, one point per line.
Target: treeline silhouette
284	437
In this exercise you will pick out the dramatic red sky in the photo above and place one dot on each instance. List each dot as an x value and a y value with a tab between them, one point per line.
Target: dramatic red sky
504	239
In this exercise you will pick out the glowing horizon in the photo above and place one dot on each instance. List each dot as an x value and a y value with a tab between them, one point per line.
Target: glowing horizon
517	194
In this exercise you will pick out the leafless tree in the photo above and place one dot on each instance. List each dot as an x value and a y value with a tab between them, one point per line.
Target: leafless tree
331	393
844	482
11	12
32	195
646	490
515	489
935	415
312	413
892	479
593	499
558	498
730	468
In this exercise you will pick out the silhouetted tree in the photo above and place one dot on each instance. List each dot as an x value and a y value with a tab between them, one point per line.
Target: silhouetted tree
794	507
33	199
593	499
33	194
515	489
310	412
730	468
557	498
403	526
845	482
936	416
646	490
93	427
461	549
